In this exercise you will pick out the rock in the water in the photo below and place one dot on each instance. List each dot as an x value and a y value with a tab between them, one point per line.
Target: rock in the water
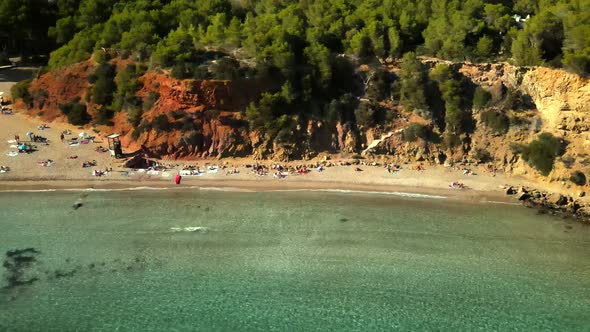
523	196
510	191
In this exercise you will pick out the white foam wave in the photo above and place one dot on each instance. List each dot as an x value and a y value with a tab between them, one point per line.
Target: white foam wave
503	203
348	191
230	189
27	190
141	188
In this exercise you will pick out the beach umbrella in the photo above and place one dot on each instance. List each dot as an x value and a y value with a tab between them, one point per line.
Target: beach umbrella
29	133
22	147
83	134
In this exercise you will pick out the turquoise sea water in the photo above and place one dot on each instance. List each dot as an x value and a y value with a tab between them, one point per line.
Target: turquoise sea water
296	261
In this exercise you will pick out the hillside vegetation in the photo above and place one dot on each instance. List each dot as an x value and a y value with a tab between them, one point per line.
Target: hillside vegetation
311	76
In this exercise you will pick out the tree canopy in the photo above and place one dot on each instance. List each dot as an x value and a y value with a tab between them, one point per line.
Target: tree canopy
290	34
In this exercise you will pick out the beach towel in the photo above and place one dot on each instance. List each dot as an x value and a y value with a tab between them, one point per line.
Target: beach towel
12	154
11	141
74	144
14	146
152	172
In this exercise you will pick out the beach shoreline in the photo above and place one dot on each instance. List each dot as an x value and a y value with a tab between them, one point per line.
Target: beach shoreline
253	185
31	172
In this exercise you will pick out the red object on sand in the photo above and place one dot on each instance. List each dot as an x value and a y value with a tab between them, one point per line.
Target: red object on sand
177	179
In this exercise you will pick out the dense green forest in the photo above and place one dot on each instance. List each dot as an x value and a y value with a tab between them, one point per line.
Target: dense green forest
288	33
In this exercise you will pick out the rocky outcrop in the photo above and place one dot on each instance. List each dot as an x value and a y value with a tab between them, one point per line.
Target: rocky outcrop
553	203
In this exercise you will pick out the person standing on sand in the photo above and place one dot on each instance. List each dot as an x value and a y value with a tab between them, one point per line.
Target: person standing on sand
61	137
17	139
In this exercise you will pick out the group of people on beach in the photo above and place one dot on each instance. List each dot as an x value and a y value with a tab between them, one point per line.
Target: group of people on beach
392	168
4	109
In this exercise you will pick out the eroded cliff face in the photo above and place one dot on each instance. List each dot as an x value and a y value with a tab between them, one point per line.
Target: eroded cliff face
560	105
196	119
204	118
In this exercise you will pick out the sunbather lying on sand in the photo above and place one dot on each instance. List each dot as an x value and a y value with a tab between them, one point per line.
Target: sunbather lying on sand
89	164
232	171
45	163
457	185
98	173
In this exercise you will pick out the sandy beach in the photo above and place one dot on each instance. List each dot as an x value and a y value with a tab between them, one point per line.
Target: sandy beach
27	173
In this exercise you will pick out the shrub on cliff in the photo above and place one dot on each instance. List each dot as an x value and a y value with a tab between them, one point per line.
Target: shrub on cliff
39	97
263	114
134	116
127	85
380	85
104	84
415	131
483	155
541	153
342	109
451	141
226	69
151	99
365	115
21	91
498	122
578	178
161	123
104	116
481	98
182	70
458	120
412	84
76	112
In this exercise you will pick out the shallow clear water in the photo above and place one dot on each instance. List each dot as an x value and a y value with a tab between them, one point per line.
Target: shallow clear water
290	261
